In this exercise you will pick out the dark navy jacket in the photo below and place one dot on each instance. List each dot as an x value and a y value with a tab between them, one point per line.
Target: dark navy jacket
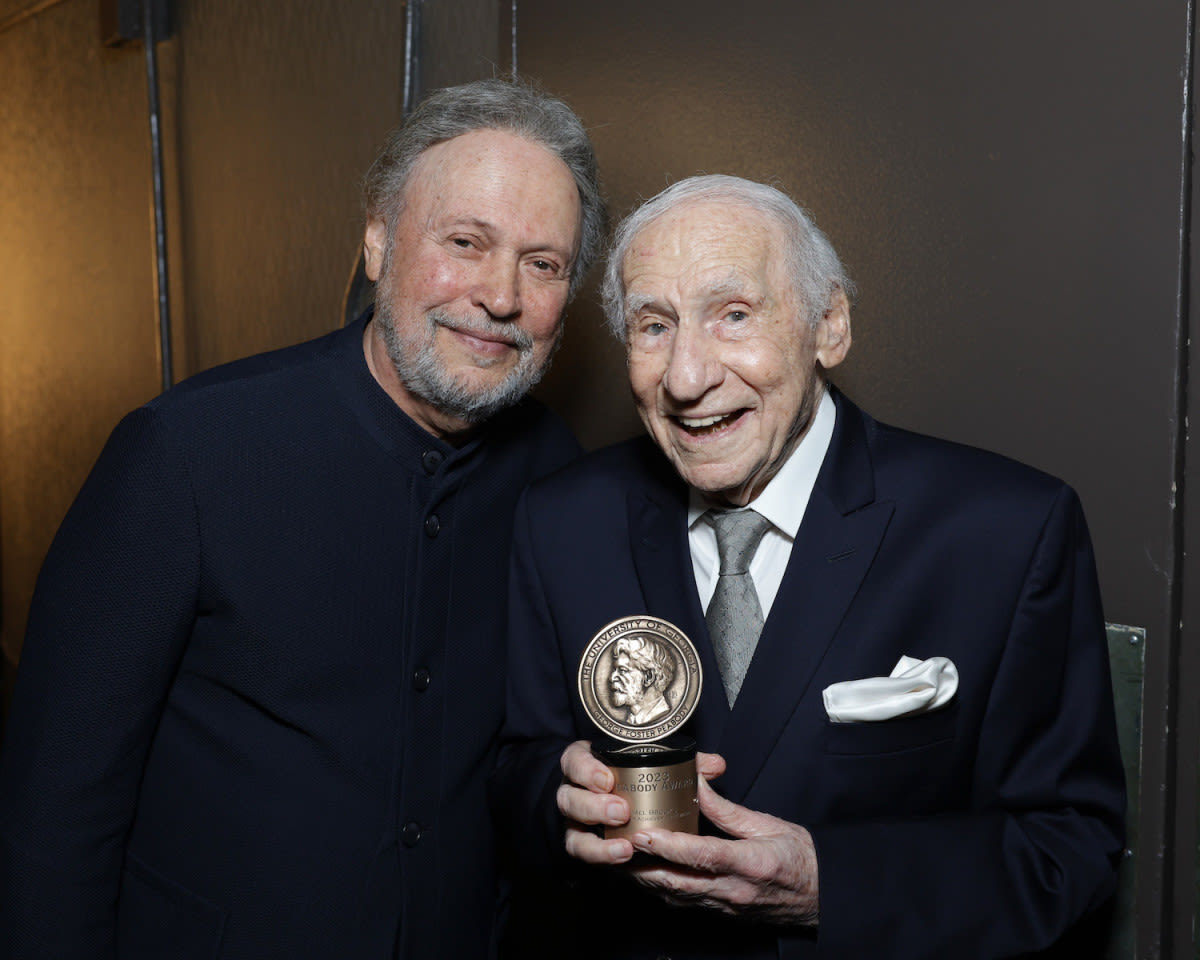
982	830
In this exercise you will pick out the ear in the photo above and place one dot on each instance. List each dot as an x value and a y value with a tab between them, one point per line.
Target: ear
833	331
374	243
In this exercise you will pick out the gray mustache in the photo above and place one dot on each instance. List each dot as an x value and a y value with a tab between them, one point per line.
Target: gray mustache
512	335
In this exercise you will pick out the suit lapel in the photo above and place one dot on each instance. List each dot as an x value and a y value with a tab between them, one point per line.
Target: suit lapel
834	548
663	561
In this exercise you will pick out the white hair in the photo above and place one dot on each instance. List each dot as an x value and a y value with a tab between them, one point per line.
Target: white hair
813	264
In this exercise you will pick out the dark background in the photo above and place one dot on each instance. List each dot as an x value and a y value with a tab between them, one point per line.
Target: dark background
1009	185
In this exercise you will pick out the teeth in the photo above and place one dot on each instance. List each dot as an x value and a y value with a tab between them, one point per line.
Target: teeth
695	423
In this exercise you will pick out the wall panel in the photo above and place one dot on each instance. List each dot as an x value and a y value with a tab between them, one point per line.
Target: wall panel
76	296
280	110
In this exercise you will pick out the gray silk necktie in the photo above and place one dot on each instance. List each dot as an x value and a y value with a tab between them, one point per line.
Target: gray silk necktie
734	615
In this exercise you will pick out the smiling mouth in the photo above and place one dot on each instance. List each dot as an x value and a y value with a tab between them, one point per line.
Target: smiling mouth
484	332
704	426
485	337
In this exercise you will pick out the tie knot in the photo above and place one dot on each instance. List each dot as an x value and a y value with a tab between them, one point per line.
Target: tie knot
738	535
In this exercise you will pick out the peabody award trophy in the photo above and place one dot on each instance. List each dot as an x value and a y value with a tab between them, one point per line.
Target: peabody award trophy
639	680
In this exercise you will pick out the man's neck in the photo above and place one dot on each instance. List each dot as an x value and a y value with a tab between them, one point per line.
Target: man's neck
445	427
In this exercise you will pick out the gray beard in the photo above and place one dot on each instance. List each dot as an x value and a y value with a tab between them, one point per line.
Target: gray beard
424	376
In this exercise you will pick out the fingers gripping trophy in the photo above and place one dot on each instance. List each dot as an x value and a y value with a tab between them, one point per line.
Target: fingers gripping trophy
639	680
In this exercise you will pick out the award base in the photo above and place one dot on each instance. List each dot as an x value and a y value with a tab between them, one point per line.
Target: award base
658	780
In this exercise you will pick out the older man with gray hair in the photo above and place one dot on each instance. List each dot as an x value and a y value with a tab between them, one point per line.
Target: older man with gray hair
642	671
263	677
906	710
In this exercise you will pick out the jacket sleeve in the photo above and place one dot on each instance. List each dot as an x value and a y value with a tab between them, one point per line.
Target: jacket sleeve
111	615
1039	843
538	724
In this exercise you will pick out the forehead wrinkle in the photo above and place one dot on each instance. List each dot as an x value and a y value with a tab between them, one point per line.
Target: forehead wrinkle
701	264
732	283
637	302
452	220
733	286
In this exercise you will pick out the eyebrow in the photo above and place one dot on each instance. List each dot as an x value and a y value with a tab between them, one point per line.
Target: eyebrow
489	228
637	302
735	287
444	222
475	221
732	287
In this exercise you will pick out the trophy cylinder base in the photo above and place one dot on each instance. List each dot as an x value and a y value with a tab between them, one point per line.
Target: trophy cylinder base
657	779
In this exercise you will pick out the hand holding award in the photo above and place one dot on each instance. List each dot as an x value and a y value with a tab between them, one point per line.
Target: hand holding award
639	680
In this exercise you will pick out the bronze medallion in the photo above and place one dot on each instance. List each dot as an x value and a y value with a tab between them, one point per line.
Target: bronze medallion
639	679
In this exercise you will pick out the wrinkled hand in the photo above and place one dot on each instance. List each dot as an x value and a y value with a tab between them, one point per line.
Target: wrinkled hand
586	800
767	872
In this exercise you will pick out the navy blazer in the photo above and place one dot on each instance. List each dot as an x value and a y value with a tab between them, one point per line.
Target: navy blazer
984	829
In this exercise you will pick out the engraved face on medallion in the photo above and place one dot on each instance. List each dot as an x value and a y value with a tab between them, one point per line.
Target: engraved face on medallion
639	679
642	670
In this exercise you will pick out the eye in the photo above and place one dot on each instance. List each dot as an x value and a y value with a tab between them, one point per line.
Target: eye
463	243
649	328
652	328
545	268
737	316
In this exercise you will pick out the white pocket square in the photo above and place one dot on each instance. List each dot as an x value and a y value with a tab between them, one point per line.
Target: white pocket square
915	686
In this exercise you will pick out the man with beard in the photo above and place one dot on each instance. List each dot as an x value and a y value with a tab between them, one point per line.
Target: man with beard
264	668
642	671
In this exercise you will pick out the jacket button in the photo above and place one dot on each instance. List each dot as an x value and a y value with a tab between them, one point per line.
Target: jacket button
431	460
421	679
410	834
432	525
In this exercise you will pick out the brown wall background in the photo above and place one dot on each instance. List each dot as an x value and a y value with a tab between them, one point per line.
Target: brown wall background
1007	183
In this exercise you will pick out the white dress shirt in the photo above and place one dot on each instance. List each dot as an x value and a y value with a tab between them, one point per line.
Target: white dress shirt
782	502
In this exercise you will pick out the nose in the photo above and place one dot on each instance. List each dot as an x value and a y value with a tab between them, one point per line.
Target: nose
499	288
694	367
